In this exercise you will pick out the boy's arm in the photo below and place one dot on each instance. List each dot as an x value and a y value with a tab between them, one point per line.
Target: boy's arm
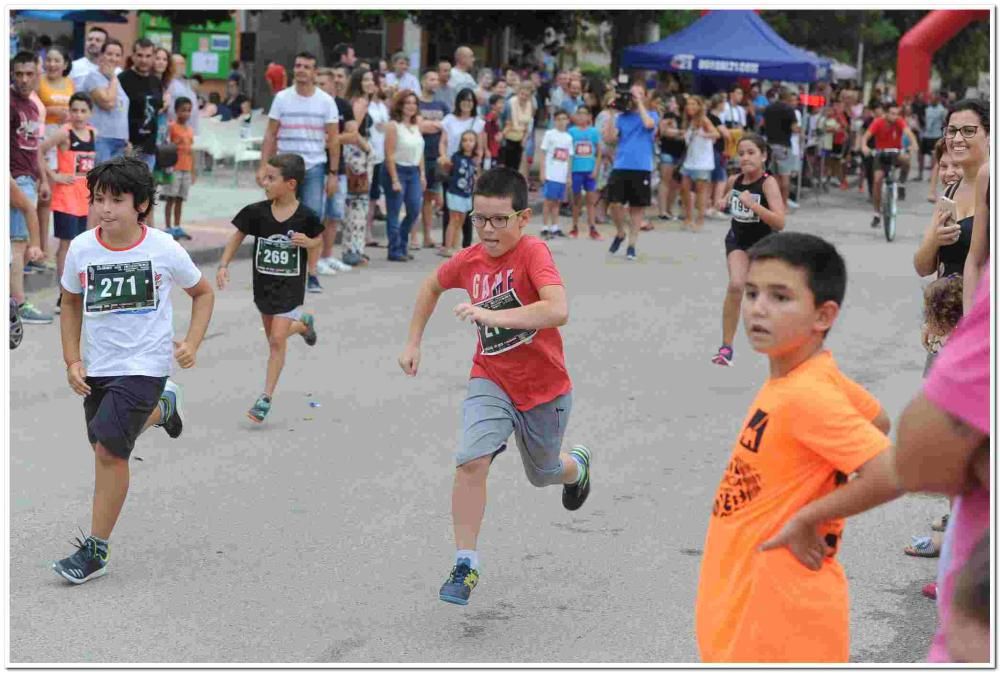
551	310
232	245
874	486
427	298
70	324
202	302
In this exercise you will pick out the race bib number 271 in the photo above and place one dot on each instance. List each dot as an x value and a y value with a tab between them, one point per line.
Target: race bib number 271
496	340
119	287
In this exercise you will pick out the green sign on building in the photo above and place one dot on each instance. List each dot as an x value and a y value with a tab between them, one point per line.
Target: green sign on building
209	48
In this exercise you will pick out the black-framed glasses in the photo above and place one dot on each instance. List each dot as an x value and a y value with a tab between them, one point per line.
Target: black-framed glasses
966	131
496	221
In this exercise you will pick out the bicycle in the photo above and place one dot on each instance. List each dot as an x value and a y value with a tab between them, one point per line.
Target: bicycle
887	161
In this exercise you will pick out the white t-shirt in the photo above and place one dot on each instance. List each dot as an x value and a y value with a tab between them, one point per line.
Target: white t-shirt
128	321
302	123
734	114
558	148
407	81
796	143
459	79
455	127
380	119
83	67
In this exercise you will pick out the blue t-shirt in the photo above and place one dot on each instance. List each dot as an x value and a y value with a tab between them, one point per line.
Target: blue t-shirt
584	148
463	175
434	111
635	142
107	123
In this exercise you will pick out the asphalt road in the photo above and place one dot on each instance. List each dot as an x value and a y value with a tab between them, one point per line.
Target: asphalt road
323	535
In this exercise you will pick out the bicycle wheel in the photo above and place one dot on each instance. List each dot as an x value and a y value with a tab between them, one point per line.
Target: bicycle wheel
889	193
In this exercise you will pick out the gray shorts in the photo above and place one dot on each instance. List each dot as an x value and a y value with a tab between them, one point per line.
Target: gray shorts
489	417
785	163
179	187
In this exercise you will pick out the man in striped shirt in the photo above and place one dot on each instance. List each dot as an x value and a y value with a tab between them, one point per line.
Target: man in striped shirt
304	120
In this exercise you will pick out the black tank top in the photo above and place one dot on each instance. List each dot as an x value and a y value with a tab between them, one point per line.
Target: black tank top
951	258
78	145
744	219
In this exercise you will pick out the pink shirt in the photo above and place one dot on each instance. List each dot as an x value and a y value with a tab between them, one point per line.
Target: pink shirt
959	383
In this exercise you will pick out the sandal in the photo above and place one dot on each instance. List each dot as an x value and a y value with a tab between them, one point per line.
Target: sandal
930	590
922	547
939	525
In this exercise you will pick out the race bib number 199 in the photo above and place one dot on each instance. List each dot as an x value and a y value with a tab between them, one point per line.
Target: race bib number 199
496	340
119	287
277	257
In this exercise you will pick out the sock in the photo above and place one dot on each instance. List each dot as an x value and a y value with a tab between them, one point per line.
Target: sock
581	469
102	547
471	555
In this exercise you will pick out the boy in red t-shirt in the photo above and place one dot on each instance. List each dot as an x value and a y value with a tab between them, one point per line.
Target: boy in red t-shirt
519	382
175	192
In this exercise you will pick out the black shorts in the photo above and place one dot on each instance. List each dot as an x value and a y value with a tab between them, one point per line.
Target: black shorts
745	237
67	227
927	145
375	189
118	407
432	173
631	187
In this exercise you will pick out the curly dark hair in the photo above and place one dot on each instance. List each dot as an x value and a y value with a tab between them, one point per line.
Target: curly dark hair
943	302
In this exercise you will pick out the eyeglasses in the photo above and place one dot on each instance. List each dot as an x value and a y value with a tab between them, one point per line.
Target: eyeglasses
966	131
496	221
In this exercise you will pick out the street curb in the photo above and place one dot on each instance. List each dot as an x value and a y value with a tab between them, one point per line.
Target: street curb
37	282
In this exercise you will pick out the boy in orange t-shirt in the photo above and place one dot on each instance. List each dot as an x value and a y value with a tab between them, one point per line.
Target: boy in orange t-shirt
771	588
176	191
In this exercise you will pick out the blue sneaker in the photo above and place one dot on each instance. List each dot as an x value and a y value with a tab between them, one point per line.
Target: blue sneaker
461	582
181	235
616	243
630	254
574	495
312	285
87	563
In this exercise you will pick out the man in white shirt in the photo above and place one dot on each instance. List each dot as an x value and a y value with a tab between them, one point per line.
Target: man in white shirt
400	77
461	75
96	37
734	116
180	87
304	120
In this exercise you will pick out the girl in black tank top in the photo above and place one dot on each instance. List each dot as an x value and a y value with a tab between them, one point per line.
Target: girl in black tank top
758	210
951	258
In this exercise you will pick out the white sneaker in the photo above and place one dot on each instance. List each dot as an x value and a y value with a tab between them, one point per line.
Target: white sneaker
324	268
338	265
792	204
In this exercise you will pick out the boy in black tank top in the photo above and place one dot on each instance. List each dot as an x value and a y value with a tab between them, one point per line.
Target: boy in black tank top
755	201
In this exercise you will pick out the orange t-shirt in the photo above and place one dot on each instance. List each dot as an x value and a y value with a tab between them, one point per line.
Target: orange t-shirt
183	137
804	433
55	97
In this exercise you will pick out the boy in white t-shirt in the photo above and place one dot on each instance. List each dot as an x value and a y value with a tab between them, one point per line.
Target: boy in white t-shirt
116	287
557	145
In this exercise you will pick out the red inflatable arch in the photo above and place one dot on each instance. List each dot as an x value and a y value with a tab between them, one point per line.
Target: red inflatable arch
913	71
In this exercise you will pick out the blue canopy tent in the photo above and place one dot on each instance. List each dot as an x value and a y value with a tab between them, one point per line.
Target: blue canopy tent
733	43
78	17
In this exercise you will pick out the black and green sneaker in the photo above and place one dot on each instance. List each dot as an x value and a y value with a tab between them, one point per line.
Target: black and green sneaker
258	412
574	495
87	563
172	399
310	334
462	580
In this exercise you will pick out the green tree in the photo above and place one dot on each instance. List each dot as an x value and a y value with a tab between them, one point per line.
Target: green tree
338	26
181	19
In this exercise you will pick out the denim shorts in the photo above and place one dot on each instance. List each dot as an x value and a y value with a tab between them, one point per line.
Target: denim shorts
697	175
719	172
18	225
489	417
553	191
457	203
334	208
667	159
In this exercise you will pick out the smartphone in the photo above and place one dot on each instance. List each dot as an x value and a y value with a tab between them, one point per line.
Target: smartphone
948	206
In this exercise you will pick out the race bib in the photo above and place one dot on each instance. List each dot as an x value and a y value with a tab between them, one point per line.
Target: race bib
277	256
560	154
496	340
584	149
740	212
119	288
84	162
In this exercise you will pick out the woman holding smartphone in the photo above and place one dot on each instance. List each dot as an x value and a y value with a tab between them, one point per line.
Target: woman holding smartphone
946	240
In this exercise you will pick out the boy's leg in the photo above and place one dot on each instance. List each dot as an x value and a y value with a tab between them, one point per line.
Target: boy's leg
178	206
591	207
468	501
577	204
635	221
277	339
111	479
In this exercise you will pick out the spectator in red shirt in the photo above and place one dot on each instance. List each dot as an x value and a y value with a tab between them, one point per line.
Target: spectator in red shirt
492	132
888	133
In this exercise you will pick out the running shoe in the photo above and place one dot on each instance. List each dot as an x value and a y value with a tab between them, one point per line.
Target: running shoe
665	218
16	328
724	357
595	235
616	243
35	267
630	254
312	285
85	564
574	233
559	233
793	204
258	412
174	398
337	264
876	222
310	334
574	495
546	234
901	191
324	268
181	235
32	316
352	258
460	583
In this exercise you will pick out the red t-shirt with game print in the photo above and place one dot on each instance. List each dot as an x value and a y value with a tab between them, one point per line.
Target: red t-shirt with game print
527	364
